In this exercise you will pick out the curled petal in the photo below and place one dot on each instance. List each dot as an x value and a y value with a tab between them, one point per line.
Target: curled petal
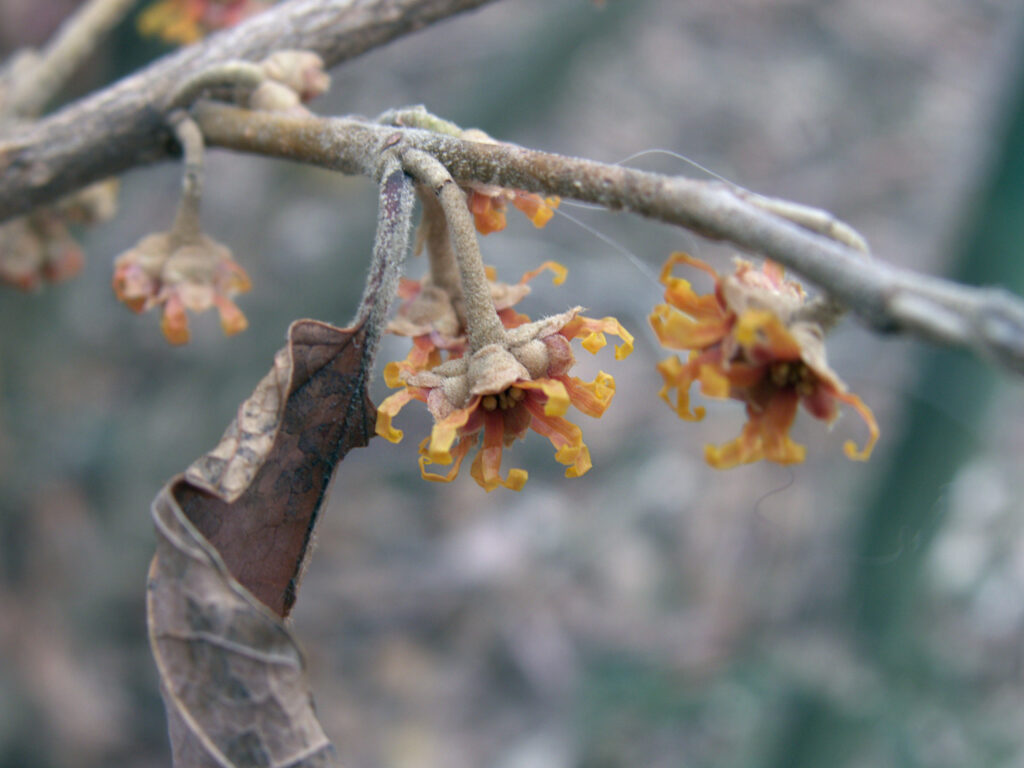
679	377
680	294
231	278
169	20
488	214
560	273
591	398
388	409
459	453
850	447
512	319
676	330
555	397
713	382
565	436
595	331
423	356
764	436
445	430
486	469
538	209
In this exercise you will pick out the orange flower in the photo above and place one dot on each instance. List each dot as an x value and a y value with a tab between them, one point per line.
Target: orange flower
183	22
38	248
488	203
163	271
428	315
503	391
748	342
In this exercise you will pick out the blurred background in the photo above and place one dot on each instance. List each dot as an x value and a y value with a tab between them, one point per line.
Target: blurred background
654	612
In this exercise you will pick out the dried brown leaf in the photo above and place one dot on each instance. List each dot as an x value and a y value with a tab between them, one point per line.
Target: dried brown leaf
255	497
233	535
231	674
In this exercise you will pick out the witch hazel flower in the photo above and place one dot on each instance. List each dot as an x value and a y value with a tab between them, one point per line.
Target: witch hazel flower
183	269
175	274
38	248
753	340
488	203
183	22
494	396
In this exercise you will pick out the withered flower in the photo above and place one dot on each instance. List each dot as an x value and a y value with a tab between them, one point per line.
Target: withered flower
749	341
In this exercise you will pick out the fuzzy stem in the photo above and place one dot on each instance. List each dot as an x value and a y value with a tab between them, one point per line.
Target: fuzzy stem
419	117
483	326
242	75
394	223
186	221
444	270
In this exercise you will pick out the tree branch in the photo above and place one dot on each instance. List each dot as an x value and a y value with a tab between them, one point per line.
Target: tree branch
989	321
124	126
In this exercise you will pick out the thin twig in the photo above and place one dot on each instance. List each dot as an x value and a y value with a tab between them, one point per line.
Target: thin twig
988	321
37	84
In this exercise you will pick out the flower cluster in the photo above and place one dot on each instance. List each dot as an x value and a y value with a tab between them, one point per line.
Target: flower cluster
497	394
183	22
751	341
488	203
39	248
195	274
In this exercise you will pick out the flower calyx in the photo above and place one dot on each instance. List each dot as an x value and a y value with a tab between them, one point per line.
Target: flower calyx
434	318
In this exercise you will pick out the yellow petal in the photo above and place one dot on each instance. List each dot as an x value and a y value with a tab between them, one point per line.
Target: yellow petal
465	443
443	435
595	331
676	330
557	401
679	377
713	383
560	273
850	447
591	398
387	410
486	469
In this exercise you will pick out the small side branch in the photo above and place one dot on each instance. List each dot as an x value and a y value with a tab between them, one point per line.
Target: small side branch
39	80
886	298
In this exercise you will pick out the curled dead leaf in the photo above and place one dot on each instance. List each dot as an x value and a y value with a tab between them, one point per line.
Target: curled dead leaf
231	674
255	497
